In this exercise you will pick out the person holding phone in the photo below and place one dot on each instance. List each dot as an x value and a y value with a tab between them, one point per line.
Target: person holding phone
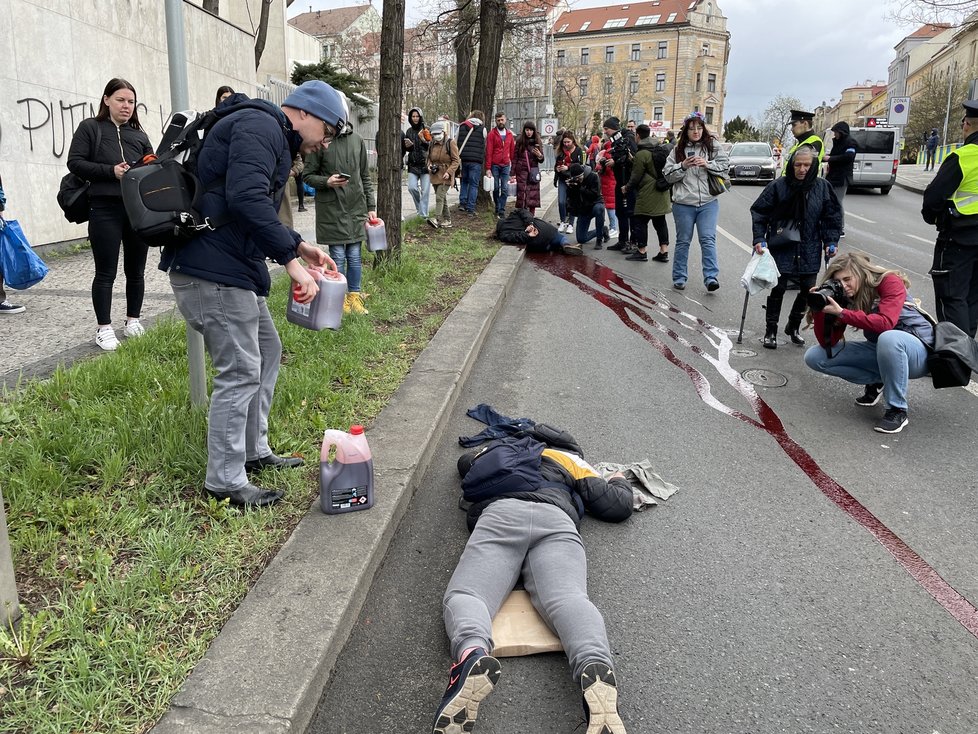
102	149
344	201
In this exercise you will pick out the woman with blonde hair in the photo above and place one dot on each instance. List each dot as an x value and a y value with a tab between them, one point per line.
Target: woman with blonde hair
859	294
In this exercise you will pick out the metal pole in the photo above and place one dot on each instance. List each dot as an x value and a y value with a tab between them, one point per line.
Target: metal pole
9	605
947	112
176	50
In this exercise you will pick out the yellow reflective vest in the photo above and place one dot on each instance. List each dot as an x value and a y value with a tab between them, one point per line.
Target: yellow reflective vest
813	140
965	199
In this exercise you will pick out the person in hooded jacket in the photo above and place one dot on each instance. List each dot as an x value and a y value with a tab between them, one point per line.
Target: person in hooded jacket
537	235
802	199
696	156
343	205
443	162
471	140
651	203
220	279
414	143
102	150
840	160
527	156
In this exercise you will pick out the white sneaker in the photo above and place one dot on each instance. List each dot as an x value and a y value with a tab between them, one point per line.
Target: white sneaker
565	227
106	339
133	329
612	232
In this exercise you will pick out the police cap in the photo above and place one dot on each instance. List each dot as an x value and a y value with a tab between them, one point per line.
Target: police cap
799	116
971	108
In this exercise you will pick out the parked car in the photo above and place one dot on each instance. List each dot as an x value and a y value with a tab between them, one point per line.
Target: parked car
752	162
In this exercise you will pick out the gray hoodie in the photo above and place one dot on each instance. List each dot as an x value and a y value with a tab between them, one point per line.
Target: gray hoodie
690	185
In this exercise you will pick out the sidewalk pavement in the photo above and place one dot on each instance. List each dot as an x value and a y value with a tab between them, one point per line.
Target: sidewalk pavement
913	177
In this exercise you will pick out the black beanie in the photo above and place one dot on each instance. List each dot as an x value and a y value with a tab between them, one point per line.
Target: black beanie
612	123
575	170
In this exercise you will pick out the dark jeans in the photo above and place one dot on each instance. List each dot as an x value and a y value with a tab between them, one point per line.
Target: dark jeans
108	225
624	206
500	175
929	160
584	221
800	305
955	274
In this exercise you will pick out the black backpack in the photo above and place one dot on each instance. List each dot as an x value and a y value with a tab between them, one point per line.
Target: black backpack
73	191
162	196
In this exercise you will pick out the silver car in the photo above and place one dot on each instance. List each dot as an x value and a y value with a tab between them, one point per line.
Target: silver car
752	162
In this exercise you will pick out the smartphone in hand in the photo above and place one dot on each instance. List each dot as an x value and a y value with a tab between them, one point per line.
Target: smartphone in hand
344	176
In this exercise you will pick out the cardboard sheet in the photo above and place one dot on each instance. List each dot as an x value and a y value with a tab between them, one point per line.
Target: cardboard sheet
518	630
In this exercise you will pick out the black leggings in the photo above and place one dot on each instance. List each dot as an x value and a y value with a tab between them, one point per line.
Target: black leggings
640	230
108	225
300	191
800	305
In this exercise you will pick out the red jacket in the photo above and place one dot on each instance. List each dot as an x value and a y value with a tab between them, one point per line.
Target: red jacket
499	153
892	294
606	170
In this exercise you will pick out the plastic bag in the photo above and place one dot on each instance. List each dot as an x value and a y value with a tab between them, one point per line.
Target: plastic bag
487	182
761	273
21	266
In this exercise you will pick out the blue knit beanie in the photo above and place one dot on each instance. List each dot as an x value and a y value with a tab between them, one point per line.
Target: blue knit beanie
320	100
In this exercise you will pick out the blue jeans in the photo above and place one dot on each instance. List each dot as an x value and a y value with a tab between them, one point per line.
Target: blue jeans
562	202
612	219
894	360
347	259
584	221
501	176
420	187
469	190
705	219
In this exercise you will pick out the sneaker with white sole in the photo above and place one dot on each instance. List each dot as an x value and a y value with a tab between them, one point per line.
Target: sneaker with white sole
133	329
600	692
893	421
106	339
469	682
871	396
612	232
6	307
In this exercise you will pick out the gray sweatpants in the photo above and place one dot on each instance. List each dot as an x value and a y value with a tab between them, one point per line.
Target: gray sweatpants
541	541
246	351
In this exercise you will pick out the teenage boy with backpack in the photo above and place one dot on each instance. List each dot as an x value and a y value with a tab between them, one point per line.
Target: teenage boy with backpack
220	279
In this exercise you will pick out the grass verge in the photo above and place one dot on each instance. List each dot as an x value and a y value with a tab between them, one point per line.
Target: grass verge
125	571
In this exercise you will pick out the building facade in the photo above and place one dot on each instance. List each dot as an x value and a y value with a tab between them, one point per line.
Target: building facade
653	62
350	37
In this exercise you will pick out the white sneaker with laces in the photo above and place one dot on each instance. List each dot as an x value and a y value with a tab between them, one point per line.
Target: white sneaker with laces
133	328
612	232
106	339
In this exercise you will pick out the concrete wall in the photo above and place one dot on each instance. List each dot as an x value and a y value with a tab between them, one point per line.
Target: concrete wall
302	48
57	57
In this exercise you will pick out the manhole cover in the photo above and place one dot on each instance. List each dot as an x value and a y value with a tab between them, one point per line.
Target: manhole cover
764	378
743	352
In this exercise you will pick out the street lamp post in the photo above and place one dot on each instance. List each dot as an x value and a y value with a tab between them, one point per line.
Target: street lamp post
947	111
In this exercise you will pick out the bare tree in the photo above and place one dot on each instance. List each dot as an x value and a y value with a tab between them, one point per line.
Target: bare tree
918	12
777	117
262	32
463	43
389	125
492	20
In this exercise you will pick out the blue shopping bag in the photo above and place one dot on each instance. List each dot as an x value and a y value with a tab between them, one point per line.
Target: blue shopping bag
308	190
21	266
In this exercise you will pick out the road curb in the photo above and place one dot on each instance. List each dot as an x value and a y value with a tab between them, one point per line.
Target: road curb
915	188
266	670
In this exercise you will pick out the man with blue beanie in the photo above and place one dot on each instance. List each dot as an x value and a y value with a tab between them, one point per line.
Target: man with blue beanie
220	279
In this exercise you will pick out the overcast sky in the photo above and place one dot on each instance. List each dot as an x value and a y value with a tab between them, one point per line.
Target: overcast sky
838	43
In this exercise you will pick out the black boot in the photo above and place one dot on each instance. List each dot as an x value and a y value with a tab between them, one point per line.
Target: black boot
771	337
792	331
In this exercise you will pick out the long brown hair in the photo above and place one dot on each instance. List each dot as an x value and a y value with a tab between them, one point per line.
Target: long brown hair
868	275
111	88
683	139
523	143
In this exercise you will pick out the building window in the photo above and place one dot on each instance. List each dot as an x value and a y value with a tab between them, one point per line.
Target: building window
672	17
582	85
561	58
616	23
660	82
709	115
698	79
657	113
585	26
637	51
609	54
609	84
663	49
585	56
562	28
633	85
647	19
705	49
711	82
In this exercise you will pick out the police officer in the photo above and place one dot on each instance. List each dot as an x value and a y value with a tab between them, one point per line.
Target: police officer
801	127
951	202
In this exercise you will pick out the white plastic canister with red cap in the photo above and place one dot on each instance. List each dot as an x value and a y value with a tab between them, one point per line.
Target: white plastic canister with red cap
376	234
325	311
346	484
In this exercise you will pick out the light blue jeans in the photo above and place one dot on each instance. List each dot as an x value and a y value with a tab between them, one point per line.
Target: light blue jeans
894	360
705	219
612	218
500	175
419	187
469	187
562	202
348	262
246	352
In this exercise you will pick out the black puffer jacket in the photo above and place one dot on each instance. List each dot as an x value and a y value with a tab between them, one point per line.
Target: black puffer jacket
512	231
841	156
118	145
417	154
582	197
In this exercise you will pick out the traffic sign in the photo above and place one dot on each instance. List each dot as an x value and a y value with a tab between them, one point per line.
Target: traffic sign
870	122
549	126
899	111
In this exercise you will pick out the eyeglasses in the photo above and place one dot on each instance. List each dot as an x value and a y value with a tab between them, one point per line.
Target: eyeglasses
329	133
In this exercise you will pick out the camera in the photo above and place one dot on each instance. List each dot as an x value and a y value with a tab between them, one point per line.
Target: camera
831	288
432	168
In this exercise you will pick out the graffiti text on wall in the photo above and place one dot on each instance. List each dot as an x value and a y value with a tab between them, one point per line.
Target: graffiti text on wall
57	121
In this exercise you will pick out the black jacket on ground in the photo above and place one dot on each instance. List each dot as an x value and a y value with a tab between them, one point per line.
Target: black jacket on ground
252	149
582	197
937	207
119	145
512	231
841	156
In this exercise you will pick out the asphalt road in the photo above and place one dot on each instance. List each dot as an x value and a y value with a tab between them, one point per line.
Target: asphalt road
810	576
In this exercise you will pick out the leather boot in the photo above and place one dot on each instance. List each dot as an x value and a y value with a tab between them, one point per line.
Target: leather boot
771	337
791	330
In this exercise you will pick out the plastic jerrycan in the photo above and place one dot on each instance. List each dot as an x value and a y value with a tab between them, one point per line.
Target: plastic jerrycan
511	188
376	235
325	311
346	484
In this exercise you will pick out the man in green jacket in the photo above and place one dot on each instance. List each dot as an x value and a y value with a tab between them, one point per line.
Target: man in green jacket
652	203
345	199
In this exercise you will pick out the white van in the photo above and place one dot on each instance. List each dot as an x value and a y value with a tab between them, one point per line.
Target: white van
877	158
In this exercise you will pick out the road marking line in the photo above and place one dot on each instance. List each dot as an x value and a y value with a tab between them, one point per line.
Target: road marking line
929	242
741	245
862	219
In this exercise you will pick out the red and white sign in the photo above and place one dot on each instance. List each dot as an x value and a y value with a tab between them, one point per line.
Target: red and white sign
660	125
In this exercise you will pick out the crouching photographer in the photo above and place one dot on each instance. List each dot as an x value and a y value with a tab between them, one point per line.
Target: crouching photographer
858	294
